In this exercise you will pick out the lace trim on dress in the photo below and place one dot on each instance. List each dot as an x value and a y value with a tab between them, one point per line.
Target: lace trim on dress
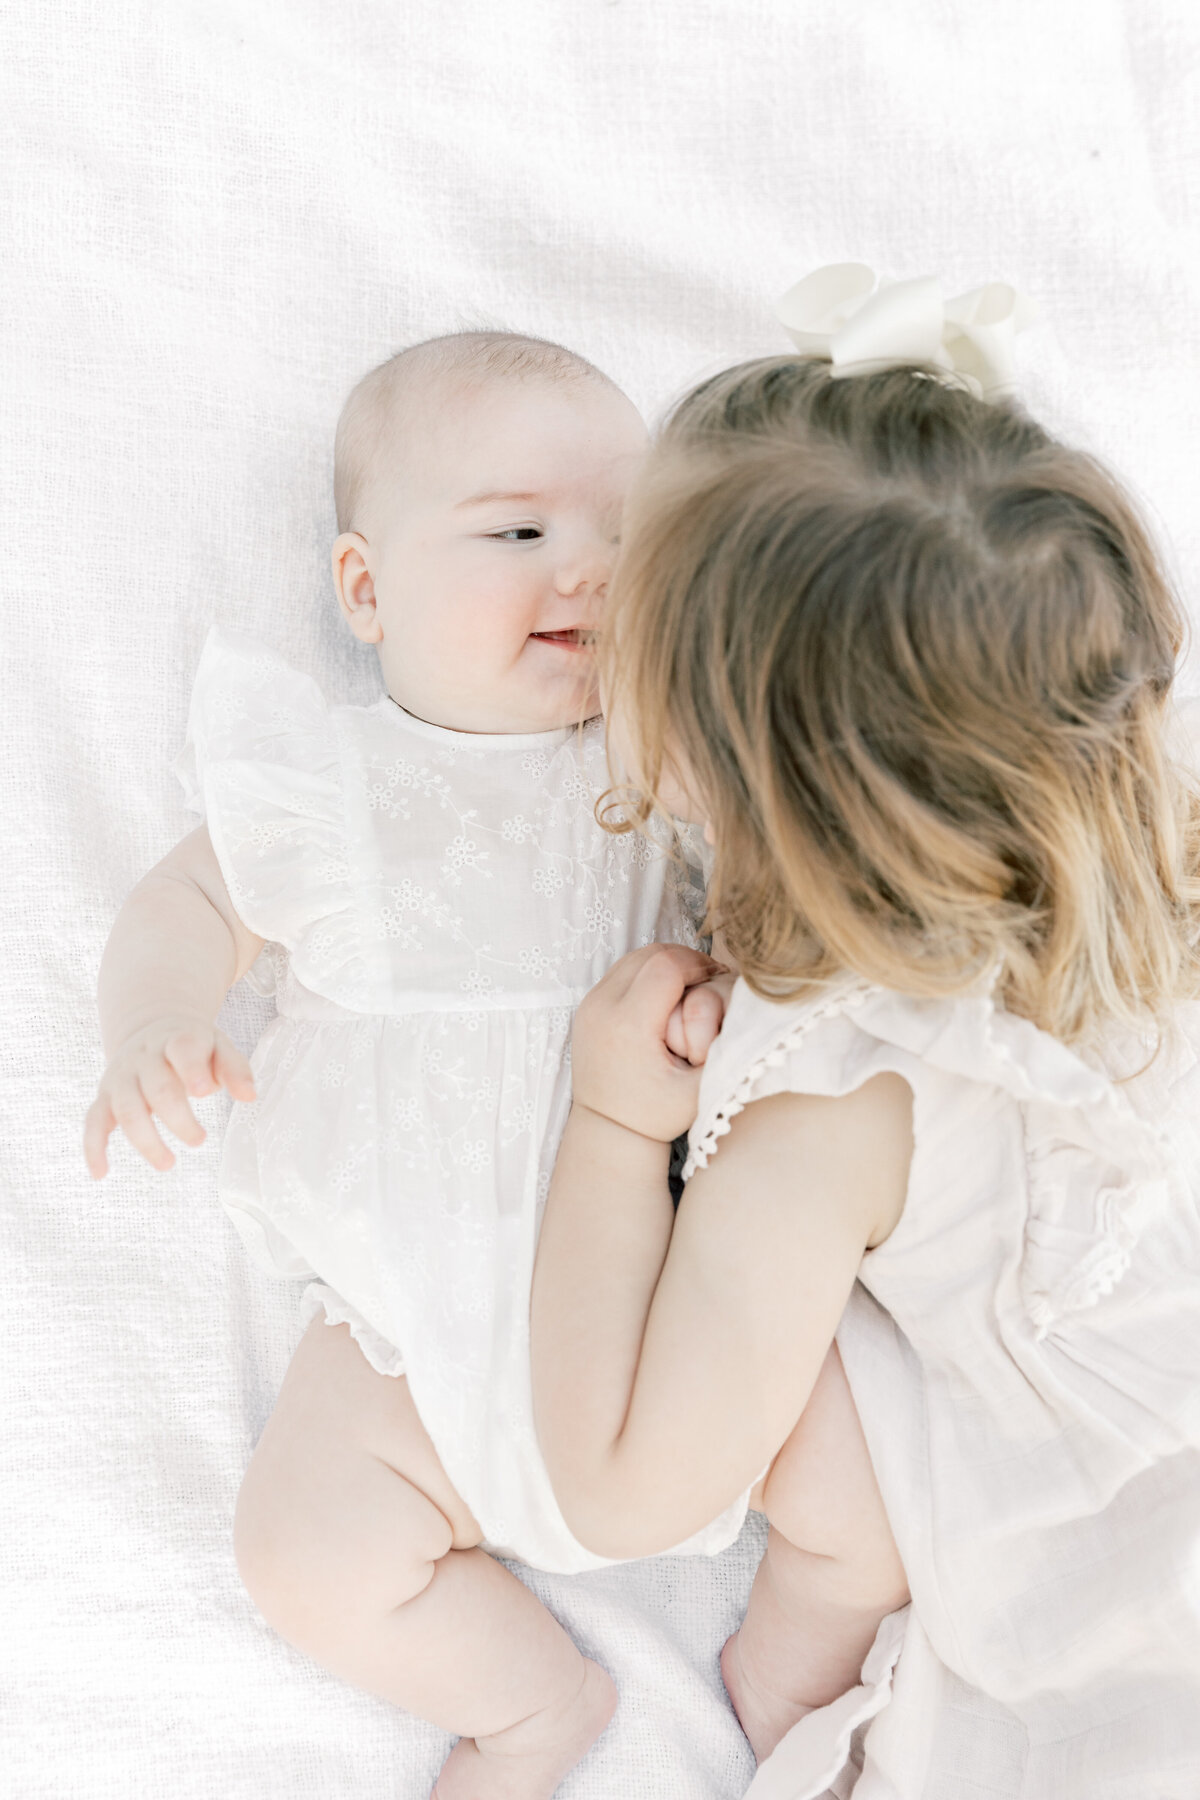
839	1001
1097	1274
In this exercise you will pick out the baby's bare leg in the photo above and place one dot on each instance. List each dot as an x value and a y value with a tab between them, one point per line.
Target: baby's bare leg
357	1549
830	1574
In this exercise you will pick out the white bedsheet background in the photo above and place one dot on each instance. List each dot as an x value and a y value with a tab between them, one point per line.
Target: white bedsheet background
217	215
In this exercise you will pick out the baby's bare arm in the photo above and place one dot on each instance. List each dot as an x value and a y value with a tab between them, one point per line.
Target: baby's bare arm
175	950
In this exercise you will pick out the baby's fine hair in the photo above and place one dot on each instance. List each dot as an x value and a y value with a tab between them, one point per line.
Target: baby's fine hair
915	657
376	405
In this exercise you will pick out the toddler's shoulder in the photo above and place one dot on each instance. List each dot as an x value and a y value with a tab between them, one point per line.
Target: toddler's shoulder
1027	1157
963	1054
820	1044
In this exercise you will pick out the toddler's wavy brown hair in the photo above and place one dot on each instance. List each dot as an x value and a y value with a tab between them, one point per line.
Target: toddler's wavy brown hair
913	658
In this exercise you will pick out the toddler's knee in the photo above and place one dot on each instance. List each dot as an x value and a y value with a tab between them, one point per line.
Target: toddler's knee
867	1578
862	1563
838	1527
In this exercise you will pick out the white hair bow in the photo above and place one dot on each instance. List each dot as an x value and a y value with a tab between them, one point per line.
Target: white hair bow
860	323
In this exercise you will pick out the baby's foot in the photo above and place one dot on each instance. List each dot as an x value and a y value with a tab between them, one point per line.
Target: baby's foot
764	1715
528	1760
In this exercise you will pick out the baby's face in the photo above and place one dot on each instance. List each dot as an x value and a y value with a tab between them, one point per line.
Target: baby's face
487	552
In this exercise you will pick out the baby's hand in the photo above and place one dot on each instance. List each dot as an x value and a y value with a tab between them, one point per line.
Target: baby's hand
153	1072
622	1065
693	1026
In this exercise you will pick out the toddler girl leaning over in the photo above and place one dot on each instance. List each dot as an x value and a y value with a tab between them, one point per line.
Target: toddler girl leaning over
911	661
437	897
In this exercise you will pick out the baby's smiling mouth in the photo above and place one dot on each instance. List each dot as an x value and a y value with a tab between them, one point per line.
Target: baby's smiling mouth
576	639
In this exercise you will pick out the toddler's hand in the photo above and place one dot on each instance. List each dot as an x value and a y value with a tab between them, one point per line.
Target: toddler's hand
153	1073
693	1026
622	1065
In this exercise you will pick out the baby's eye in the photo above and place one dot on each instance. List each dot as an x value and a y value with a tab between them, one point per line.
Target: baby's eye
517	534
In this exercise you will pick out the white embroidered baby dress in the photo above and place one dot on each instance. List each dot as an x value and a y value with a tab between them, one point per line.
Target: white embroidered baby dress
1024	1353
436	903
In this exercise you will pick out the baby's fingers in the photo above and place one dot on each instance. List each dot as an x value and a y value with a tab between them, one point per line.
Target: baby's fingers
190	1054
133	1116
232	1069
164	1095
97	1128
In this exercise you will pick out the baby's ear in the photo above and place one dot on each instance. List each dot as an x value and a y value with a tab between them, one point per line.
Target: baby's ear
355	584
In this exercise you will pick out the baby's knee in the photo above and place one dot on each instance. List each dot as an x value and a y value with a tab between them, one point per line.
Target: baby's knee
317	1553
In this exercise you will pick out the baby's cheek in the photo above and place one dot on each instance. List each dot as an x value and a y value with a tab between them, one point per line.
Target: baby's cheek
490	627
470	647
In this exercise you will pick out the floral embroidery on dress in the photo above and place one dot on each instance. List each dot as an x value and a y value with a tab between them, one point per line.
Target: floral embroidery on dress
405	1111
532	960
475	1156
462	853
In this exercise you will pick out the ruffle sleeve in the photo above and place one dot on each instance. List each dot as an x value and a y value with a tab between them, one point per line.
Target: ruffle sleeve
1097	1173
263	764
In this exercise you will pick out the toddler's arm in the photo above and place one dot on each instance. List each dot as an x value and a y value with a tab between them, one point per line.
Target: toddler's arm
670	1365
175	950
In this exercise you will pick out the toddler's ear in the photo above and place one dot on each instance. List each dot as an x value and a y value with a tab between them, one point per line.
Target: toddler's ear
355	584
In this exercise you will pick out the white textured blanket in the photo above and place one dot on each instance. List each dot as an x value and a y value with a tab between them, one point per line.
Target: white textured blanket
218	213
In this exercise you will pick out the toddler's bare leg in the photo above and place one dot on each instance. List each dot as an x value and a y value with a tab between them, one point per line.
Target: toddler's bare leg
357	1549
830	1574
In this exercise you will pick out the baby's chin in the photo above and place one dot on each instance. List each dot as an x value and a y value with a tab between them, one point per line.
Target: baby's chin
541	712
520	702
578	714
568	700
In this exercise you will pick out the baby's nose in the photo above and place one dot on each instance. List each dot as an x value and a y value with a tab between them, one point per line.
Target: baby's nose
589	570
587	566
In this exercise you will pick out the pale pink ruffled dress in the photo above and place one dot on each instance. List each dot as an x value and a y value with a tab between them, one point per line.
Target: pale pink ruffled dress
1024	1352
